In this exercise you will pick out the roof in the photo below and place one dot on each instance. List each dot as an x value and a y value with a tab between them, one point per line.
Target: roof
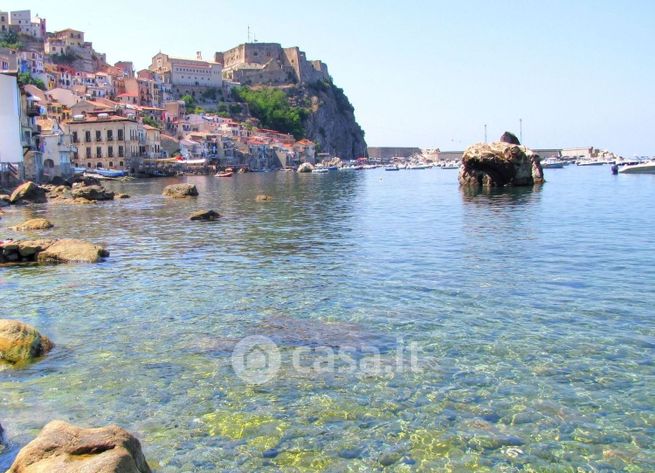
111	118
151	128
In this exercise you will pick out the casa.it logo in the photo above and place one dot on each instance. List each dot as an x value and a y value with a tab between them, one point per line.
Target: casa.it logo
256	359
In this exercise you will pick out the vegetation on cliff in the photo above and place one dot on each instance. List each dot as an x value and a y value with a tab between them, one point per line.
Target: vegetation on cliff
272	108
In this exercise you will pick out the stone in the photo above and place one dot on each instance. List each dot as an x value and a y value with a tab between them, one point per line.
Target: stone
121	196
209	215
72	251
263	198
28	192
305	167
180	191
510	138
57	181
93	192
500	164
33	224
20	342
86	181
29	248
5	200
64	448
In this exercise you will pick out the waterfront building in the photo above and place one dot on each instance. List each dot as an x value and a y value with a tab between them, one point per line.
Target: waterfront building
11	155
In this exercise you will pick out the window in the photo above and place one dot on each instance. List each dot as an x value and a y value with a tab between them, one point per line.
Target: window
98	135
87	136
110	135
98	152
120	164
88	153
120	152
74	137
88	165
111	164
120	135
110	151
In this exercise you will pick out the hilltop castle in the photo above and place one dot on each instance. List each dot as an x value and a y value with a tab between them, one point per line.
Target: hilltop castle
270	64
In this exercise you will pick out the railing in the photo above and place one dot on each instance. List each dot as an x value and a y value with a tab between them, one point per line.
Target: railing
33	110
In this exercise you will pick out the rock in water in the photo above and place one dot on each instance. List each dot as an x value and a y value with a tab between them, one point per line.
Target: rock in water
305	167
179	191
209	215
263	198
28	192
33	224
65	448
21	342
72	251
92	193
500	164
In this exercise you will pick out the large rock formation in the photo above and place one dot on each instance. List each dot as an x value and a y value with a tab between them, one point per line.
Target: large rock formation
331	123
20	342
180	191
500	164
94	192
72	251
208	215
65	448
28	193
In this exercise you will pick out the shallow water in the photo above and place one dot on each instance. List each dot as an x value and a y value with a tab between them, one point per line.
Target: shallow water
531	313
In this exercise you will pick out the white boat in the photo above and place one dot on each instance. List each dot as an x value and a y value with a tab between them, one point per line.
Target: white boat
418	166
393	167
588	162
320	170
450	165
552	163
642	168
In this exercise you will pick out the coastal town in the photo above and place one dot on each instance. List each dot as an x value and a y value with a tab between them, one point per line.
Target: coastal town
71	110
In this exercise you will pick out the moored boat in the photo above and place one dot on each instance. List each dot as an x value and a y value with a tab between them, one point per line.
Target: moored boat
642	168
552	163
393	167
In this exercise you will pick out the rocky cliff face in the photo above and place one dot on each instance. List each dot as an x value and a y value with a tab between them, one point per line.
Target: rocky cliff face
331	122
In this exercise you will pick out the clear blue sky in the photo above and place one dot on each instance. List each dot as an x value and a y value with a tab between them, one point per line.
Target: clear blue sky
419	73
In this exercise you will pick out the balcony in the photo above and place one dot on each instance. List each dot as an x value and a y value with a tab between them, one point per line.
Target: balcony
33	110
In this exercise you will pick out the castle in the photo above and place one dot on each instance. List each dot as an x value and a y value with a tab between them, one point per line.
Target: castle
270	64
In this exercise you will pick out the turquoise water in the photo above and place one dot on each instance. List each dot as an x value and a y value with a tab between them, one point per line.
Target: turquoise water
531	312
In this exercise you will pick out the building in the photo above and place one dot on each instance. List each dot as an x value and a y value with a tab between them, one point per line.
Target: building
107	141
153	142
21	22
11	152
4	22
58	151
69	38
32	62
384	154
127	68
8	60
187	72
270	63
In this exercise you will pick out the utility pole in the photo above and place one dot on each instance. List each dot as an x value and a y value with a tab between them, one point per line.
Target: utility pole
248	34
485	132
521	130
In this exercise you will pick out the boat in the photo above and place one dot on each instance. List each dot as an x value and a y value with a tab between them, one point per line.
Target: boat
552	163
333	168
224	174
588	162
393	167
418	166
642	168
104	174
320	170
450	165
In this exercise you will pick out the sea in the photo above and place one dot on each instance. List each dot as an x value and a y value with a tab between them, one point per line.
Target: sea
358	321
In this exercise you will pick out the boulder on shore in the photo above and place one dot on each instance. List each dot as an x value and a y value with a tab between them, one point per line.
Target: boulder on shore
500	164
28	192
20	342
180	191
93	192
209	215
64	448
263	198
72	251
33	224
305	167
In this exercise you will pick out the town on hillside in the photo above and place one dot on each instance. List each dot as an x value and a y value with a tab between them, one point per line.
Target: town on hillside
72	111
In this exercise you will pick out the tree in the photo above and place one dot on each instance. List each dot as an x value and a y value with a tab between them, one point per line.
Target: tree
9	40
25	78
189	102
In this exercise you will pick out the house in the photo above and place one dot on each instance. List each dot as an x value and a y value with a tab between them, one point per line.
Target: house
4	22
21	22
11	151
58	150
107	141
70	38
8	60
153	142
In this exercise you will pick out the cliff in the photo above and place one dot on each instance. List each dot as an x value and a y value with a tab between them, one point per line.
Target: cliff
331	121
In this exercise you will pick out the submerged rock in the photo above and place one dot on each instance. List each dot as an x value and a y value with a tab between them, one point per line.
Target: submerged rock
20	342
65	448
33	224
28	193
209	215
263	198
500	164
180	191
72	251
121	196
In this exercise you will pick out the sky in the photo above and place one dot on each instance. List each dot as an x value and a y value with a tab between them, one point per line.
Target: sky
424	73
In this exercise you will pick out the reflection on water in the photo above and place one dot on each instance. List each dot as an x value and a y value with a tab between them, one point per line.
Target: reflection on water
530	308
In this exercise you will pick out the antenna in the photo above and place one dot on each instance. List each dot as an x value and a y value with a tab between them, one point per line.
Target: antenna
485	132
248	33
